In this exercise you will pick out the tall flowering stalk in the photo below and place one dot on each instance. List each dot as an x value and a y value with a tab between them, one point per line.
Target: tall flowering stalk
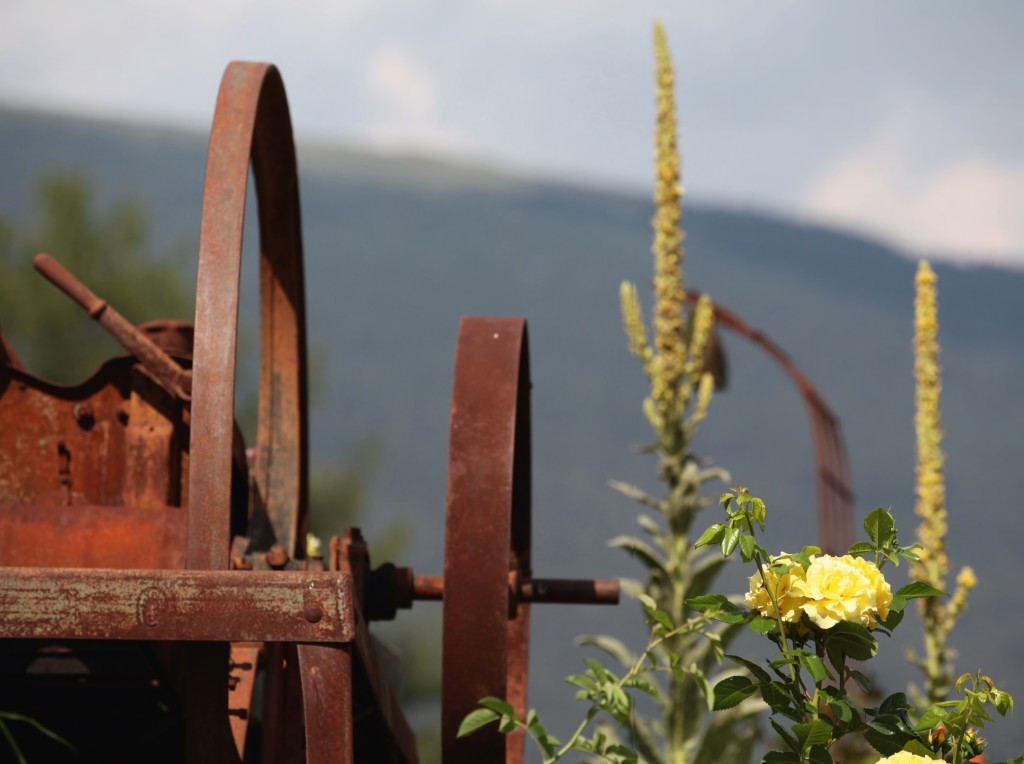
681	391
938	616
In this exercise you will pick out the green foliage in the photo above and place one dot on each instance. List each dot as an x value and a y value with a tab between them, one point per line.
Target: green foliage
807	686
609	695
108	251
8	735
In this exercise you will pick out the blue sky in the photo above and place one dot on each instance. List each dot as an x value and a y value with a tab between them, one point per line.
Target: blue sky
901	120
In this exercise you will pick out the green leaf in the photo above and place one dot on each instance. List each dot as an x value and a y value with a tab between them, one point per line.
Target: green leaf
730	539
918	589
640	550
475	720
815	665
747	546
886	734
760	625
498	705
759	673
879	526
758	510
580	680
817	732
712	535
644	685
730	612
785	734
919	748
732	691
862	681
861	547
895	703
777	696
898	605
819	755
929	719
616	648
853	640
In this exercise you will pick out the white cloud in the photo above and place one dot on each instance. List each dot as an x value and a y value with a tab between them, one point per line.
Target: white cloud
401	82
928	195
407	99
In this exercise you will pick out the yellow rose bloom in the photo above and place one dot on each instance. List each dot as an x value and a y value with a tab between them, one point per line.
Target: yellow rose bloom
782	587
843	588
905	757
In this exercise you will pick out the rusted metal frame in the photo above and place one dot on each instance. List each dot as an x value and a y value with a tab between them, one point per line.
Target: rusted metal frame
326	675
487	535
251	123
92	536
832	473
177	605
164	369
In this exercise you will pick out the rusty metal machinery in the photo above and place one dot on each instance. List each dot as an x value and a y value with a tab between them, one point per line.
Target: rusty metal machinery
156	602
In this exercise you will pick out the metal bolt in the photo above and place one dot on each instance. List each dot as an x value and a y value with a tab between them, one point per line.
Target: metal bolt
84	415
313	612
277	558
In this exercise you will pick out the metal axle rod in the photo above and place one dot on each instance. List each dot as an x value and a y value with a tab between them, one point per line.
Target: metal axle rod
565	591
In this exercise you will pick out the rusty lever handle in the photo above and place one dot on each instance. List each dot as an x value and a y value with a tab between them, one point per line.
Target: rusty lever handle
168	374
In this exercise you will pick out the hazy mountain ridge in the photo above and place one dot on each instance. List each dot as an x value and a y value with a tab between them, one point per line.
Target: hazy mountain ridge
394	259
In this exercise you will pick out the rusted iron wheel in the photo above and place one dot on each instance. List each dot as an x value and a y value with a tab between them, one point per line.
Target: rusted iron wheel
251	123
251	126
487	536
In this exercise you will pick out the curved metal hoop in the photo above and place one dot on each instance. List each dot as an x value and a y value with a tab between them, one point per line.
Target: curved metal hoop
251	123
487	535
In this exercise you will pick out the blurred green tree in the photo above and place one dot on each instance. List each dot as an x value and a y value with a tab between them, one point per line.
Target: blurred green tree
108	250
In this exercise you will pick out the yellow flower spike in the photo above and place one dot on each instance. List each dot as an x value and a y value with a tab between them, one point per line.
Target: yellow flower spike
632	319
703	322
668	323
931	487
938	617
705	391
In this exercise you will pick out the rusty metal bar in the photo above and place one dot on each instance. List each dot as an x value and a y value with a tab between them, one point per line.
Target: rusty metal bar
183	605
165	370
326	673
564	591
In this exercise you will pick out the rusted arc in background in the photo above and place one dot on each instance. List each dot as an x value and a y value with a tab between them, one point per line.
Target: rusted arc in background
487	536
251	123
832	470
